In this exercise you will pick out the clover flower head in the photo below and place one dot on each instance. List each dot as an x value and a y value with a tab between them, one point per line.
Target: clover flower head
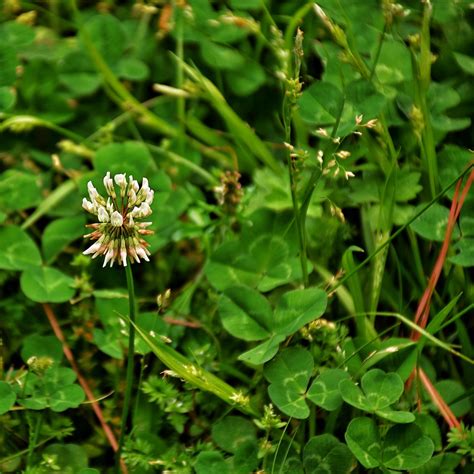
118	236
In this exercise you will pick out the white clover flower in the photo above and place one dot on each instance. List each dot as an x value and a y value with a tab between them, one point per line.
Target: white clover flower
117	235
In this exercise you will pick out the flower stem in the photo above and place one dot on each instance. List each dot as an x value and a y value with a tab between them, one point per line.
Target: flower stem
131	351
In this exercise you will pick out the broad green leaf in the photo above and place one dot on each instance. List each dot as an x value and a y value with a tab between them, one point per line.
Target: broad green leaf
324	391
325	454
405	447
245	313
66	397
297	308
36	345
132	158
7	397
59	233
7	98
362	99
464	252
55	389
441	97
449	124
108	36
18	251
211	462
220	56
68	458
46	285
289	375
250	78
452	390
394	64
132	69
396	416
320	103
264	264
381	389
267	258
264	351
233	431
8	64
18	190
430	427
77	73
432	224
245	459
408	185
353	395
363	438
108	343
16	35
466	63
445	463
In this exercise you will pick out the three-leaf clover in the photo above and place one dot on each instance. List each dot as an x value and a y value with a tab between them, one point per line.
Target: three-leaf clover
378	391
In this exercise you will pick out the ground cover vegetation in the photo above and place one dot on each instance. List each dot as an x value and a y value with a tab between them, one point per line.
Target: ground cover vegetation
292	183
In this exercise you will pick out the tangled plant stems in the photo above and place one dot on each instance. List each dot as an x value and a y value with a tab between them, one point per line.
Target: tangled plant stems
118	237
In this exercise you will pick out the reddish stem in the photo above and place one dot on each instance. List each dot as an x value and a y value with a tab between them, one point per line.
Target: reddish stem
181	322
423	310
83	382
438	400
422	313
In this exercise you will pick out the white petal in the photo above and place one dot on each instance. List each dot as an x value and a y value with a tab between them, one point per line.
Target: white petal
116	219
123	256
141	252
88	206
92	249
145	209
108	256
102	214
106	179
149	196
120	180
132	197
93	194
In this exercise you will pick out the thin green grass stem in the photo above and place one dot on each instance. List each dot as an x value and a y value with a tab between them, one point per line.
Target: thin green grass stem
129	376
181	105
33	441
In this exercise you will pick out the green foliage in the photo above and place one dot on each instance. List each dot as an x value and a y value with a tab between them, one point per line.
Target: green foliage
304	160
46	284
289	375
403	447
378	391
324	391
324	453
